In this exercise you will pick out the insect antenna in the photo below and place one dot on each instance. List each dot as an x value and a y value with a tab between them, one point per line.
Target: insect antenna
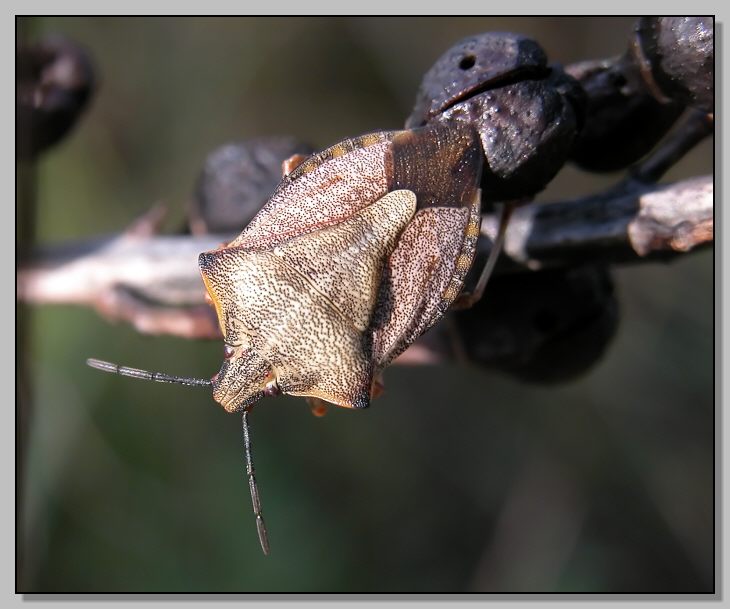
260	525
160	377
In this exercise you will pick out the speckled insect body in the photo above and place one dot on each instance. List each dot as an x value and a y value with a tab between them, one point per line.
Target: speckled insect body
364	246
360	249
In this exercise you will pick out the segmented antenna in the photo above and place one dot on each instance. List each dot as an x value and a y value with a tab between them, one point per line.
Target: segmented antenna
160	377
250	472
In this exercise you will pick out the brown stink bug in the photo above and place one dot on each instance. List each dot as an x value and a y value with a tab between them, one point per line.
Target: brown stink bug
359	250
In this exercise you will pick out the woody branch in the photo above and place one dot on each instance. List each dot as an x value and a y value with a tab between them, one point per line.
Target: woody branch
152	281
553	277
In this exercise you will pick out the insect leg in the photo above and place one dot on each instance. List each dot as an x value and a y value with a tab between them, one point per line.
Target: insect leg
290	164
467	300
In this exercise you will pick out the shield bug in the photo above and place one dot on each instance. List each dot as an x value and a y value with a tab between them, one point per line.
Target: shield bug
359	250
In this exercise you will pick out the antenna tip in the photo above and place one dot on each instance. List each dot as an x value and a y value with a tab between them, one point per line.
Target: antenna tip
101	365
263	535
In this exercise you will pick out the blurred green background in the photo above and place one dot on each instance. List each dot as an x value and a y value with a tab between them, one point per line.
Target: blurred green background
457	479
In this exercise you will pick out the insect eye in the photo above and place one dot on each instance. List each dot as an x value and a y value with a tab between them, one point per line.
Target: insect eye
228	351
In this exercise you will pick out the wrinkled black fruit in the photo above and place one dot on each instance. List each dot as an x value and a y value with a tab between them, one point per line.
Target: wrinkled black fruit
527	130
542	327
680	55
475	64
237	179
527	113
623	120
55	80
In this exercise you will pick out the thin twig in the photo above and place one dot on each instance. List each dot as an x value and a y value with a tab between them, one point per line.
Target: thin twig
153	282
695	127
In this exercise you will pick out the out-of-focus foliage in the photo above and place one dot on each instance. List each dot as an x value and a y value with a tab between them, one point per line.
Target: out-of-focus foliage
456	479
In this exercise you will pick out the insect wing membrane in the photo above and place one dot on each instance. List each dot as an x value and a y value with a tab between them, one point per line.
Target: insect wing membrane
423	277
425	273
